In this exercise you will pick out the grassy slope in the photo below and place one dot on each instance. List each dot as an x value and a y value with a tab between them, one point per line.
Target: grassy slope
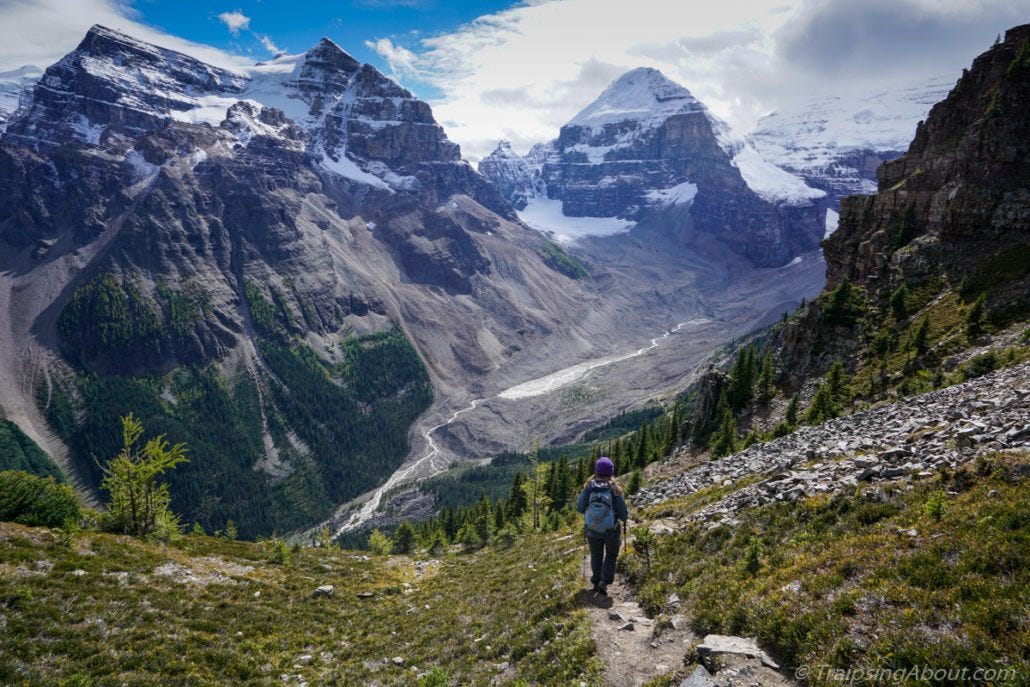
249	621
842	581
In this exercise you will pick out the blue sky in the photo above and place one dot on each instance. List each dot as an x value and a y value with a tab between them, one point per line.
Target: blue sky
295	26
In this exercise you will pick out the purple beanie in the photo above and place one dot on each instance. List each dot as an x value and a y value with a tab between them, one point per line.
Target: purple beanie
604	467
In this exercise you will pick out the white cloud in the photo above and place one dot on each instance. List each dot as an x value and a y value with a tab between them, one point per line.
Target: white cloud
402	61
269	45
40	32
235	21
521	73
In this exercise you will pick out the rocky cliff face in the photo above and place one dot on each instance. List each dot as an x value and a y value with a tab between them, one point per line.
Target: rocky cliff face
959	199
281	247
950	224
646	147
836	143
513	175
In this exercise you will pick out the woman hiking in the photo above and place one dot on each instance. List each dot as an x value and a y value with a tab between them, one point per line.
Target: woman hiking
603	507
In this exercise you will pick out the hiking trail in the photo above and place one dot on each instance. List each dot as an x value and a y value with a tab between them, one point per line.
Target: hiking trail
636	649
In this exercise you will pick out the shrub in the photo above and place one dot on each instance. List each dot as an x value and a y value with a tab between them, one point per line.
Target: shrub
36	501
979	365
139	505
380	543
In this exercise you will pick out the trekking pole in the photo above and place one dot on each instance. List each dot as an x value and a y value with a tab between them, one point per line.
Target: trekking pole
624	536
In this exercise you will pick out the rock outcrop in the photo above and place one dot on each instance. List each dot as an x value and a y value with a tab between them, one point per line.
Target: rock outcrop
958	202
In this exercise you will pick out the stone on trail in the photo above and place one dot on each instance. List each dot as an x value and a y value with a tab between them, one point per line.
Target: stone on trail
728	644
699	678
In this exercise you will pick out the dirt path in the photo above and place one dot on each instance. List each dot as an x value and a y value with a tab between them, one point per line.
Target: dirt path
634	649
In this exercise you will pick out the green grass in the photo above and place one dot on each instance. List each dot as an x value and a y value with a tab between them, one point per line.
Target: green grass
840	582
250	621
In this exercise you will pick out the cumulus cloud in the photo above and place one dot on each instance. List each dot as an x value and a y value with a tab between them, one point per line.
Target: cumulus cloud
402	62
40	32
235	21
521	73
269	45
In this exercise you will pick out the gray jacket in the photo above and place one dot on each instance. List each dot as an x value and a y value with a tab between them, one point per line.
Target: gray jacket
618	503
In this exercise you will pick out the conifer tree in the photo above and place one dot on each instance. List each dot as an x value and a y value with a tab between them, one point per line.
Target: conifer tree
404	538
920	338
517	501
976	318
724	440
898	303
791	416
139	504
765	380
643	446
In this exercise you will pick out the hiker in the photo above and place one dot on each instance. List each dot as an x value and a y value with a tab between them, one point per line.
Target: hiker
603	506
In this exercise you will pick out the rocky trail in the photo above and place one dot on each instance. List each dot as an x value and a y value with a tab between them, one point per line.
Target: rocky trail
910	439
636	649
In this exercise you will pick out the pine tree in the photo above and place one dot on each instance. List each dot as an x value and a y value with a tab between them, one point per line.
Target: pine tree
563	485
976	318
636	479
517	501
380	543
499	519
765	380
791	416
921	337
643	446
404	538
898	303
724	439
581	471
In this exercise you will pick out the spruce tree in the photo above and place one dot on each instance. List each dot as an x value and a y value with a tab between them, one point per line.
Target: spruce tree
404	538
765	380
898	303
791	416
920	339
643	446
724	440
976	318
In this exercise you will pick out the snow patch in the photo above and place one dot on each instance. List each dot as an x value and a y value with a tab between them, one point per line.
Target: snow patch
345	167
546	216
772	183
832	218
681	194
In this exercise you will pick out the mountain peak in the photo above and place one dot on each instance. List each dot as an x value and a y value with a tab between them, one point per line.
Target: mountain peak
638	95
327	54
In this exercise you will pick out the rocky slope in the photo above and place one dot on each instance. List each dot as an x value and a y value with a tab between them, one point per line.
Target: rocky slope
275	238
836	143
911	439
647	151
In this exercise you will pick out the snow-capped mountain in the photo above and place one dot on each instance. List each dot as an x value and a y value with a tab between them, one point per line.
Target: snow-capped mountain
645	147
13	85
348	117
514	175
836	142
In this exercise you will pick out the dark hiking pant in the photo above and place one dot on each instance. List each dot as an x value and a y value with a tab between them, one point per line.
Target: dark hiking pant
603	552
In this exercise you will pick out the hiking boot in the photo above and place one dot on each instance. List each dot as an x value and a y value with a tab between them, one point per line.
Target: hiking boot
602	589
